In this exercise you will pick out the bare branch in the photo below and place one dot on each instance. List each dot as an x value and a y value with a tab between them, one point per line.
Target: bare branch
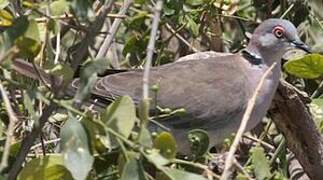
82	51
78	57
169	28
294	120
150	48
251	103
112	32
28	141
12	121
58	46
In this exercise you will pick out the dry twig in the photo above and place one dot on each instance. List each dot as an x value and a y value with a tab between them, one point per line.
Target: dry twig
112	32
78	57
150	48
169	28
251	103
12	121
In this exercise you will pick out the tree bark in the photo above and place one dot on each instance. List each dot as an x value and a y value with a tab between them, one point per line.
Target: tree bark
293	119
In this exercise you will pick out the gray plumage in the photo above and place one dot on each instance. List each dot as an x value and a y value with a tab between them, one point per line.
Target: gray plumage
214	88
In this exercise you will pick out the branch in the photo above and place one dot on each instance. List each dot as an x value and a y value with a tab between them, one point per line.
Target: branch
317	93
150	48
78	56
12	121
294	120
82	50
251	103
169	28
28	141
112	32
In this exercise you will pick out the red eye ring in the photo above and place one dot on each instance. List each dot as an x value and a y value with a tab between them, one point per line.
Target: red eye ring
279	31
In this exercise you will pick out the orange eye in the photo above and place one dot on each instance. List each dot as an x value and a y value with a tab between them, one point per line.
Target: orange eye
279	31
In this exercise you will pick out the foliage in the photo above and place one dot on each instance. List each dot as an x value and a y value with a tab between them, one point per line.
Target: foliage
62	37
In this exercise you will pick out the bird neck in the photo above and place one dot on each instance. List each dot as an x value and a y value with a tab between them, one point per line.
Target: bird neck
263	56
252	58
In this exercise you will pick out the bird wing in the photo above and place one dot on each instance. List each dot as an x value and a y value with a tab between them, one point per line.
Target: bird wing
206	88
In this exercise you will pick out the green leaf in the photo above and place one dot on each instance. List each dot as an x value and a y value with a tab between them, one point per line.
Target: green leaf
62	70
99	139
121	115
29	104
50	167
194	2
260	163
6	19
168	11
3	3
145	138
309	66
32	31
316	107
25	35
89	77
166	143
18	29
135	44
28	48
59	7
133	170
53	26
137	22
191	24
82	9
156	158
199	142
141	1
75	149
179	174
14	148
172	7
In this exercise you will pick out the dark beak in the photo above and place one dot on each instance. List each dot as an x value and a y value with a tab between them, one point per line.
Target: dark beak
300	45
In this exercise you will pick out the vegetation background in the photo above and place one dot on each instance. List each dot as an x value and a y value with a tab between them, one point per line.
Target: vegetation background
46	134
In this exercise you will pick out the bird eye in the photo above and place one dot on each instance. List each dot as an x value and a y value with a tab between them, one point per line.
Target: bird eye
279	31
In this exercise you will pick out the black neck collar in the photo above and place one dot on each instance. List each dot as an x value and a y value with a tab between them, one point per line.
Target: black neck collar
251	57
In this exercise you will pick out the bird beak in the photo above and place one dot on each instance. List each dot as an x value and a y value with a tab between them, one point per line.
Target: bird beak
300	45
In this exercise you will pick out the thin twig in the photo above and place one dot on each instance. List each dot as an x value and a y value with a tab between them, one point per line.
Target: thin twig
42	79
12	121
28	141
150	48
114	54
280	147
196	165
112	32
69	16
169	28
287	11
267	145
81	53
317	93
42	144
240	168
45	143
251	103
58	46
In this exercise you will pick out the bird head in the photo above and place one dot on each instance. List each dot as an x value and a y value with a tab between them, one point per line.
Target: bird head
273	38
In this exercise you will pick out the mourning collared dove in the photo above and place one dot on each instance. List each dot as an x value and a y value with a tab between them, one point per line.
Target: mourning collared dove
213	88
